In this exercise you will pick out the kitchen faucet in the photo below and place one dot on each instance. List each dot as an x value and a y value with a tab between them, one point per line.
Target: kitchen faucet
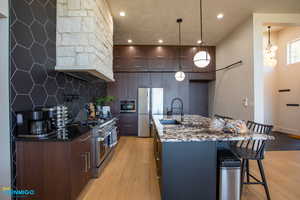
181	106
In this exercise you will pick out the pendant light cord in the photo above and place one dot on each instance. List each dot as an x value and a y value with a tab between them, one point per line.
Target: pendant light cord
269	35
201	29
201	23
179	39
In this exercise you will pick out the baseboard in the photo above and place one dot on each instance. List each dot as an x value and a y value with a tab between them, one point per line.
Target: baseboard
286	130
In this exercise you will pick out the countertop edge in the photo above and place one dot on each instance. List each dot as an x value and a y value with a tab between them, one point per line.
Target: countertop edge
159	128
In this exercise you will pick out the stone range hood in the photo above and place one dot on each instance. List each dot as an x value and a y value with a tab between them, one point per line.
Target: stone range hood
85	38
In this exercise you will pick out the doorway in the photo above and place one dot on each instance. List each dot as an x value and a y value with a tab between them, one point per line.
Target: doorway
281	82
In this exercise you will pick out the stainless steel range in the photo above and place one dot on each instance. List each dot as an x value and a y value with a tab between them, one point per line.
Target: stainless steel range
104	140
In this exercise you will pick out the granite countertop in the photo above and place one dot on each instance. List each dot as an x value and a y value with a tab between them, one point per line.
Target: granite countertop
196	128
64	135
70	132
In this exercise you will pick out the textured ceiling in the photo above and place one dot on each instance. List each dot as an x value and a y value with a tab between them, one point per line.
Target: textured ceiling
146	21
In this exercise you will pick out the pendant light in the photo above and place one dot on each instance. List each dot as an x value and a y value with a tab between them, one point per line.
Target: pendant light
180	75
202	58
270	52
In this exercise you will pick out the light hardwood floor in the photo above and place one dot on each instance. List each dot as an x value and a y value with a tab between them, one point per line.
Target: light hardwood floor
131	175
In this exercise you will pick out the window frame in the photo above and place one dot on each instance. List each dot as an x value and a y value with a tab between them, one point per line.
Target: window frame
288	52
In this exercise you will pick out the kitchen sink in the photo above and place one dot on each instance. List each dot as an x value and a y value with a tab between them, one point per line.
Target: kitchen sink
169	122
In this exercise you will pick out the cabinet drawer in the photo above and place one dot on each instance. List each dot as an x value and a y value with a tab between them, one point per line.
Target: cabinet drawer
128	130
128	118
128	124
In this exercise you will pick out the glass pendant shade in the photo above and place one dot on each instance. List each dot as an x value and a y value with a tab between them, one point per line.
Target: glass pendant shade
270	56
270	61
202	59
179	76
274	48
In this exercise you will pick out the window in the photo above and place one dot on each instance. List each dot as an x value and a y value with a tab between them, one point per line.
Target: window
293	52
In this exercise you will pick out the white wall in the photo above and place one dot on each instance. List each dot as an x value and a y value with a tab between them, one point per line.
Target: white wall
234	85
288	78
4	100
247	80
4	8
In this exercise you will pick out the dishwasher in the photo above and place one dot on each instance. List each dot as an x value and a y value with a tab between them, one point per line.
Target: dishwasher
229	176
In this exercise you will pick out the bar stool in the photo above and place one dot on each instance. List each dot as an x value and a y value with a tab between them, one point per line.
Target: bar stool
253	150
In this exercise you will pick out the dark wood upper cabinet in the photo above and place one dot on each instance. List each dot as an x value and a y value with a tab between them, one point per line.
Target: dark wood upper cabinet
167	52
149	58
126	51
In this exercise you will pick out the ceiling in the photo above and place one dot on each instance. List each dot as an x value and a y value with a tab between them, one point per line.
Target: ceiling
147	21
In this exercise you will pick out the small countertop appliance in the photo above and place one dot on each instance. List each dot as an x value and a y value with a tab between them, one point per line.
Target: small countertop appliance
33	124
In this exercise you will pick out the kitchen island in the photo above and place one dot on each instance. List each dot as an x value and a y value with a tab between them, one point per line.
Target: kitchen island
186	155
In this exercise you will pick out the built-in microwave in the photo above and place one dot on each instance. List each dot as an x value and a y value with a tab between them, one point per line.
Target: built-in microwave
128	106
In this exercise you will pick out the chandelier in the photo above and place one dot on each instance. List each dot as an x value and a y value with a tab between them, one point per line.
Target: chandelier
270	52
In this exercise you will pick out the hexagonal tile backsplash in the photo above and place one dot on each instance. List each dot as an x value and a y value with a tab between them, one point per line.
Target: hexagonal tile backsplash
34	82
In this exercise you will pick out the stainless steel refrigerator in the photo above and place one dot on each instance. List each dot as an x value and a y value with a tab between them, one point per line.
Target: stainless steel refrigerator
150	102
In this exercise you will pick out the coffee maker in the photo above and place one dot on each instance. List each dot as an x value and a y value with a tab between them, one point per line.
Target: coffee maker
33	124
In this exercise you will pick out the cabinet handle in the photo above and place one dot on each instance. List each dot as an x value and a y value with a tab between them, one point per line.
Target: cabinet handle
85	162
89	159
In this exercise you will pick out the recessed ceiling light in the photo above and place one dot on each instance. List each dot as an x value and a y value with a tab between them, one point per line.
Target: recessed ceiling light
199	41
160	41
220	16
122	14
129	41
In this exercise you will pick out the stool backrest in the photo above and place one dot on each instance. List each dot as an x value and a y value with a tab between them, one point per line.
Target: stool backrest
256	146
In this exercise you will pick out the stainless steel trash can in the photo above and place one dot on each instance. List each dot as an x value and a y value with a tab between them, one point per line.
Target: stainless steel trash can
230	176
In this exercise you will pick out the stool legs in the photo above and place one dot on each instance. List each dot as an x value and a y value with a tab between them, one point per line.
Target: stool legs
264	180
245	171
248	172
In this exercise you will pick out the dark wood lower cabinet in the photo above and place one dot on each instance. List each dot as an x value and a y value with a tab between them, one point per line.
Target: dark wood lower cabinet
54	170
128	125
81	164
157	146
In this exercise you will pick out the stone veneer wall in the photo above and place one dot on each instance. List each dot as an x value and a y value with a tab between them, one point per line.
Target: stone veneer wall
33	79
85	35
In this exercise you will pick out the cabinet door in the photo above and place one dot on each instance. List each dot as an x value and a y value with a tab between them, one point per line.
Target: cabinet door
128	124
87	142
80	164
